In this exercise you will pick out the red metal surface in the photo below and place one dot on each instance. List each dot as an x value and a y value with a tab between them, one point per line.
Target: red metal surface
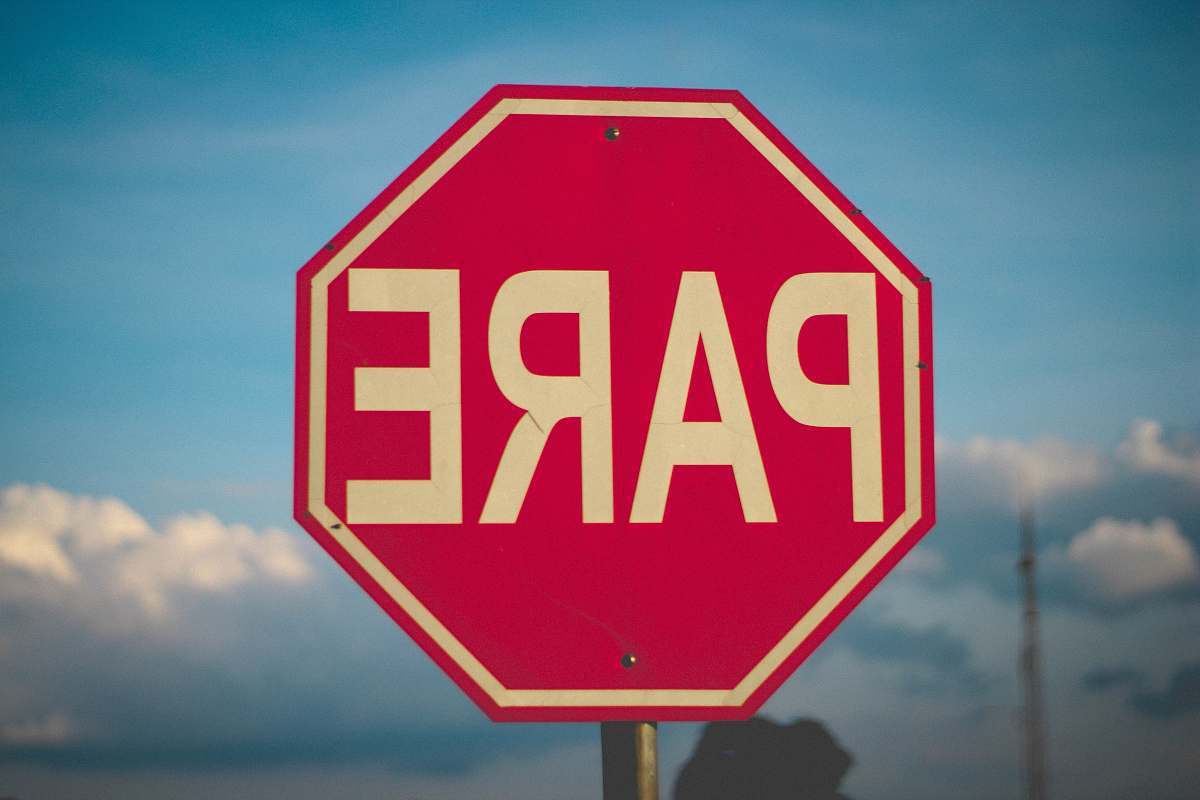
551	602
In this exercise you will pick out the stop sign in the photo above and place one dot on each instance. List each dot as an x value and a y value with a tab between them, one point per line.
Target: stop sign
614	403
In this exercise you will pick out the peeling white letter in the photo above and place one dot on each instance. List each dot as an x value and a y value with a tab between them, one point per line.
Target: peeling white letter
550	398
700	316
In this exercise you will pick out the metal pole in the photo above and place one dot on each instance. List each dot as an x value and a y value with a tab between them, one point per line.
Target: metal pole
645	743
629	757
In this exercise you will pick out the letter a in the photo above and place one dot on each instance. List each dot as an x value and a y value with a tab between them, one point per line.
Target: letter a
700	316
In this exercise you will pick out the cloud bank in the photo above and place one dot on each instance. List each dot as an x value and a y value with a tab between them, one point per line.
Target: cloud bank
195	645
1145	449
1008	470
98	554
198	644
1043	467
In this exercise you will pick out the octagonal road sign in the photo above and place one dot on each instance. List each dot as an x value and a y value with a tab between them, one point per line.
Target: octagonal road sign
614	403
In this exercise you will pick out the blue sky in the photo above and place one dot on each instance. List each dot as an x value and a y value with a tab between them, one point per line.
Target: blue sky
166	170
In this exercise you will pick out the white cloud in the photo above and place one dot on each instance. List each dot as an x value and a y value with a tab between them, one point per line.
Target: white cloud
1040	468
1047	467
1126	559
1145	450
198	552
922	560
97	552
39	525
54	729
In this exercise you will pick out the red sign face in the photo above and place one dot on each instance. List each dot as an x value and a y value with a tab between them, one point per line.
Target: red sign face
614	403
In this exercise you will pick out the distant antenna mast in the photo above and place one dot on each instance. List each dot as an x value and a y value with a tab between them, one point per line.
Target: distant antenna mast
1035	736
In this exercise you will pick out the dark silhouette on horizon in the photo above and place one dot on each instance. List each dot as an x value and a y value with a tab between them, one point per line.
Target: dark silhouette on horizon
759	759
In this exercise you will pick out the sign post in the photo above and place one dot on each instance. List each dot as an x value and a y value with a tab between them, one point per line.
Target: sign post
616	405
629	760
